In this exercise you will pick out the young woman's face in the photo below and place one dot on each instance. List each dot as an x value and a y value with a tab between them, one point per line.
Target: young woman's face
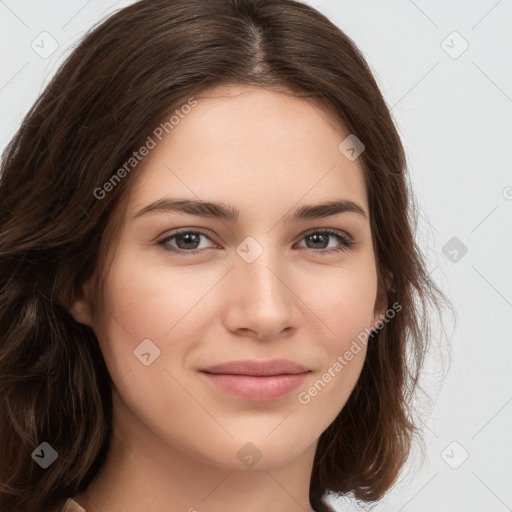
190	290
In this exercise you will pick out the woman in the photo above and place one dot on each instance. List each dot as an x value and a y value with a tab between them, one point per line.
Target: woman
269	363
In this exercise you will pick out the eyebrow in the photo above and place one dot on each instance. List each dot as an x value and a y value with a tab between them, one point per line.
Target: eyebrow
230	214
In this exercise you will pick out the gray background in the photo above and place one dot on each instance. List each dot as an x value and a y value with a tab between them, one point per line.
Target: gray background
453	109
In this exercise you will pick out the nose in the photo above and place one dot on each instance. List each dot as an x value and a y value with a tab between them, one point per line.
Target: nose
261	302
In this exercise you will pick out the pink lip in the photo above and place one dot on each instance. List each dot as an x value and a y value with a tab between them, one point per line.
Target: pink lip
257	381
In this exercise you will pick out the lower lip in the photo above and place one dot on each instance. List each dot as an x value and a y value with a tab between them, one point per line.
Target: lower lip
258	389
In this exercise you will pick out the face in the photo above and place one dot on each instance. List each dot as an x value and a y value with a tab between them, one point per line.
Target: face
190	289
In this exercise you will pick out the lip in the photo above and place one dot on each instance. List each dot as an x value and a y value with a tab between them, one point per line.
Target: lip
258	381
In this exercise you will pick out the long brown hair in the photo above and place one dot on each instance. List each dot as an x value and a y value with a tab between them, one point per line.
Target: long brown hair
133	70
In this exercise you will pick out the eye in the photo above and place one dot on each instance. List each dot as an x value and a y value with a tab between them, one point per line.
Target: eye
185	240
188	242
321	237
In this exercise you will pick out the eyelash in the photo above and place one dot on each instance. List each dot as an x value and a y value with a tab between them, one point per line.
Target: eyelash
346	242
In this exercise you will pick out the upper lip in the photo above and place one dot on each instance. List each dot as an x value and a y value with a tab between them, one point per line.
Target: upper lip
263	368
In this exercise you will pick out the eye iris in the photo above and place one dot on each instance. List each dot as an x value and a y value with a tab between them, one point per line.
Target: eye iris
189	238
318	237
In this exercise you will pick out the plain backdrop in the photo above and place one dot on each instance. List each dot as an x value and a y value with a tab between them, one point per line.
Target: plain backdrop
445	71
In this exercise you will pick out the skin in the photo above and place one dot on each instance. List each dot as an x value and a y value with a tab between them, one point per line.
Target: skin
176	437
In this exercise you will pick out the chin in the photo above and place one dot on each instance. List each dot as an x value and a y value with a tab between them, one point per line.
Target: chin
257	455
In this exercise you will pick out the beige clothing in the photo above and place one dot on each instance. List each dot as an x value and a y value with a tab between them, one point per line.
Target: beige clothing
73	506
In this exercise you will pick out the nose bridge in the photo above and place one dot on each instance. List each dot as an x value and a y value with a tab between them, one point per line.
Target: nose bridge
262	301
257	264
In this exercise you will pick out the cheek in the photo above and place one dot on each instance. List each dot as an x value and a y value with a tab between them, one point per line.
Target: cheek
345	308
151	303
344	303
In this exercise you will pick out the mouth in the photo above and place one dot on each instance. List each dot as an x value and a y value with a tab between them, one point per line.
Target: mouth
257	381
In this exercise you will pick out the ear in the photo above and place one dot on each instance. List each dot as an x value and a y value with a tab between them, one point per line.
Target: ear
81	309
381	302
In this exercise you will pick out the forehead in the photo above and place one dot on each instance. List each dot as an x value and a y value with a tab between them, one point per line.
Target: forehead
250	147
